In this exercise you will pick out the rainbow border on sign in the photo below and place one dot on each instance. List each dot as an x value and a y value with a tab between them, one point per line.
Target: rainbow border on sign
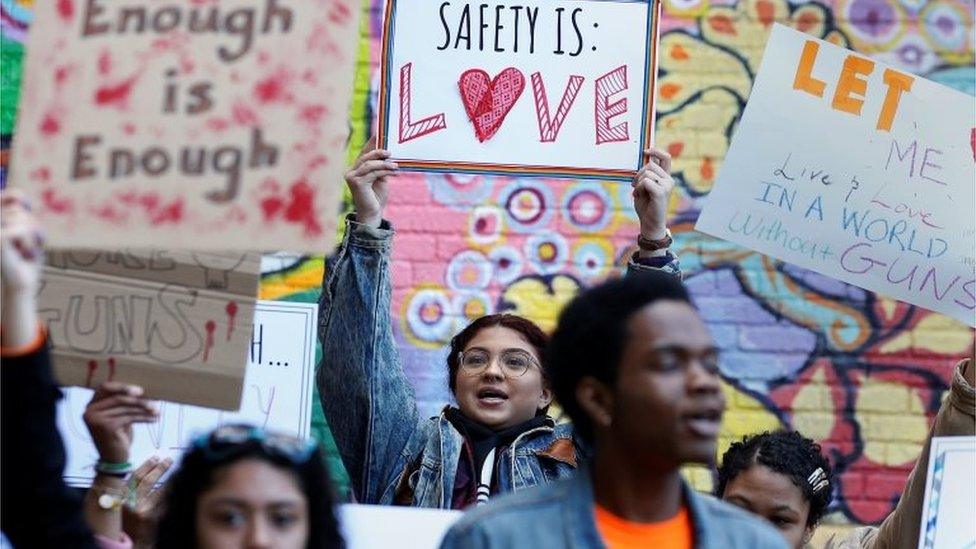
526	170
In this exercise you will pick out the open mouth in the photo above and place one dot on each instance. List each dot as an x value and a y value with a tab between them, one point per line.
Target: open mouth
490	395
704	423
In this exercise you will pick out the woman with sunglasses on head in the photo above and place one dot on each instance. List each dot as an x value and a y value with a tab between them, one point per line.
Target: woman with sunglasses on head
499	437
241	486
785	478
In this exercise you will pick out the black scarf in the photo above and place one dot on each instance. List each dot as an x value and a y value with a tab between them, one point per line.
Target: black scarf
482	439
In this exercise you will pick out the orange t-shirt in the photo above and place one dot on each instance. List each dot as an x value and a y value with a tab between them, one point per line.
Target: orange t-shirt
618	533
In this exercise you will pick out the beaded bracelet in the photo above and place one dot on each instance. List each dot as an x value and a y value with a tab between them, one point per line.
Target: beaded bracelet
113	469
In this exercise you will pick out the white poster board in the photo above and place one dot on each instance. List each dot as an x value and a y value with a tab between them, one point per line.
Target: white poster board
191	125
381	526
563	88
277	395
949	506
855	170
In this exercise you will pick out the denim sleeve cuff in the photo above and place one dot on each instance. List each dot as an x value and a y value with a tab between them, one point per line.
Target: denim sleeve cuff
667	263
367	236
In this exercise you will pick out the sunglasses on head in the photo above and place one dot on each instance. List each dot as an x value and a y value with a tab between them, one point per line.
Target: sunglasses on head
228	440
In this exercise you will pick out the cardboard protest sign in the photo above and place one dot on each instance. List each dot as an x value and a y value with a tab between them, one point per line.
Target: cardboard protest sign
563	88
187	125
948	508
277	395
425	528
857	171
177	323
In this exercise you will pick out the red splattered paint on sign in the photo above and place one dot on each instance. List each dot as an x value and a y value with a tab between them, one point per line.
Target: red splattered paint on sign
92	367
270	206
301	208
50	125
171	213
313	114
210	326
55	204
244	115
274	88
231	316
111	214
104	62
340	13
66	9
42	174
111	368
217	124
128	128
115	95
61	74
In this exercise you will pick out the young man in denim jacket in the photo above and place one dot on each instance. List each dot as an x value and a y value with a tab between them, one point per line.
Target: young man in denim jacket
636	369
499	438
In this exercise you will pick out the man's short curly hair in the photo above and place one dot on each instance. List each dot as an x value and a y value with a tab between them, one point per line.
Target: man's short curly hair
788	453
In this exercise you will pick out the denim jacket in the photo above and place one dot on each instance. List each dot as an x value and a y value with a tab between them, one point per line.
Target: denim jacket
561	515
391	454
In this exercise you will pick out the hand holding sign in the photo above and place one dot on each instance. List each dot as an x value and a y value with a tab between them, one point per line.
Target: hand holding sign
367	181
21	256
652	190
113	410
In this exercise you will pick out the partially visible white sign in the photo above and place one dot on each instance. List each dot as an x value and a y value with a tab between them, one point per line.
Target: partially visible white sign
949	507
380	526
857	171
277	395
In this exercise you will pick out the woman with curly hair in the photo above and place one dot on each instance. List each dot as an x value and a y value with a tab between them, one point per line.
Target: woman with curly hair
784	477
781	476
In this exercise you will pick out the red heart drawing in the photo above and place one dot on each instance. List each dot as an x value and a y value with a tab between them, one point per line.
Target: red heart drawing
487	101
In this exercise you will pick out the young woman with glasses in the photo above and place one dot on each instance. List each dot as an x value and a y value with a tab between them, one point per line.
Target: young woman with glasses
498	438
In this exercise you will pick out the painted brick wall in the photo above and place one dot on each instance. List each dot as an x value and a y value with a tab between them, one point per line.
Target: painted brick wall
860	373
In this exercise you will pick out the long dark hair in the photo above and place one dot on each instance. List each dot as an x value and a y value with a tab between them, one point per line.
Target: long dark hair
177	527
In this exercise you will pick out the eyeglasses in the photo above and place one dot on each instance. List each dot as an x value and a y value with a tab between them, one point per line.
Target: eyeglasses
514	362
228	440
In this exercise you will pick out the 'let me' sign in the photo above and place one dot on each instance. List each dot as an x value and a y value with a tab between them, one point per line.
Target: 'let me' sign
542	87
190	124
855	170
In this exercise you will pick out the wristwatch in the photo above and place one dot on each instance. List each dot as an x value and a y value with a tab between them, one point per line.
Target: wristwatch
109	502
649	245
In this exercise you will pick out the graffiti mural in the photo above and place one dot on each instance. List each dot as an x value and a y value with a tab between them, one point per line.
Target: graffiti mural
858	372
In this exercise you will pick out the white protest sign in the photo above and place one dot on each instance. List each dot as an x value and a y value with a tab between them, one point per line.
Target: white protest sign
277	395
857	171
546	87
375	526
949	508
197	125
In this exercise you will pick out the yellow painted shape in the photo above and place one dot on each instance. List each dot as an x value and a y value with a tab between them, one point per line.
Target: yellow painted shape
711	114
693	65
306	276
935	333
535	301
893	434
813	408
744	415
